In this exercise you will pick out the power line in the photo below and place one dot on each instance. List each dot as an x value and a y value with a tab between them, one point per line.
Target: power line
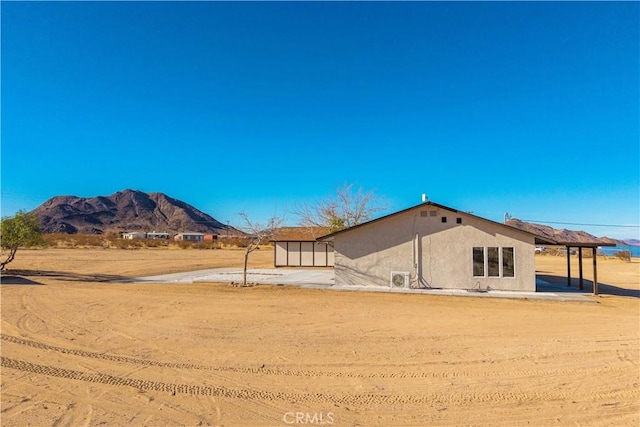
578	223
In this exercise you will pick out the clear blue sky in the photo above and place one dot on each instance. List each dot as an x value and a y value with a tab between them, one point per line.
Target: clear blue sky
527	108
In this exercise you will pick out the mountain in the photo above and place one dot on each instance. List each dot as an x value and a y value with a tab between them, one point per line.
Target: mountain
129	210
632	242
563	235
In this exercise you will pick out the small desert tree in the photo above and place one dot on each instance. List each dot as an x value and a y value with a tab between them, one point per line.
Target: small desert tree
256	234
21	230
349	207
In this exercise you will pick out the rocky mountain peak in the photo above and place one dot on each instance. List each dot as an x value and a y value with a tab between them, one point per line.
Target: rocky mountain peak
128	210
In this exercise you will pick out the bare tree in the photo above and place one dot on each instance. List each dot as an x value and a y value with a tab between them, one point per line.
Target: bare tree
349	207
256	234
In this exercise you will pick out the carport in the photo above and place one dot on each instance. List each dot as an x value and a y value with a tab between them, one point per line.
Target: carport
580	245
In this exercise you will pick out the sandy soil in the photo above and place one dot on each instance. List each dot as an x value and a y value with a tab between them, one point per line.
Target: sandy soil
79	351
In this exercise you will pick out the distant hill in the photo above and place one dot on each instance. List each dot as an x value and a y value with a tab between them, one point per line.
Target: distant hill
632	242
129	210
563	235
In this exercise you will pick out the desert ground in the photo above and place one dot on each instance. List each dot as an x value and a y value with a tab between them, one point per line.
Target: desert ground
80	350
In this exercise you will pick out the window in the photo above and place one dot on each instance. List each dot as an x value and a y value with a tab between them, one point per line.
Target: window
444	219
508	264
478	262
493	262
459	220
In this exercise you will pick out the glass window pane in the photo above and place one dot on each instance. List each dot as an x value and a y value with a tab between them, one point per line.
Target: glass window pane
478	262
508	264
493	262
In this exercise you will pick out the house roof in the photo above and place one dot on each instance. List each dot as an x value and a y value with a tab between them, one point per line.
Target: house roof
584	244
538	239
299	234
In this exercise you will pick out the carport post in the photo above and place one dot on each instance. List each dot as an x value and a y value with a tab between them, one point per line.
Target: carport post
595	272
568	265
580	267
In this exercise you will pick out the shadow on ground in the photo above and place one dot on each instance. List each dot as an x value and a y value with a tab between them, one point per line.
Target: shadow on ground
557	284
17	280
30	277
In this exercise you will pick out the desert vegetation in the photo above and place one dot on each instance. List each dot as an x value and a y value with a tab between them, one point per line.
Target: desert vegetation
114	241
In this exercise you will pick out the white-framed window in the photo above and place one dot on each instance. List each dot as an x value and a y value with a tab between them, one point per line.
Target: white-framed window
493	261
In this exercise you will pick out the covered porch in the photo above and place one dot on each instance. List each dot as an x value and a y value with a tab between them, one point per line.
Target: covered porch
580	249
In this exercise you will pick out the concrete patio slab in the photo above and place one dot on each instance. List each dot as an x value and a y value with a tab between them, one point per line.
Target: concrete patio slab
324	279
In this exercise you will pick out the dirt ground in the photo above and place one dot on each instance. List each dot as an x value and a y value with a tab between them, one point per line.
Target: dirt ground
77	350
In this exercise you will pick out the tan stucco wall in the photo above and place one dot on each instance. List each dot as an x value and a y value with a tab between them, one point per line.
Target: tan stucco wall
281	254
306	254
443	252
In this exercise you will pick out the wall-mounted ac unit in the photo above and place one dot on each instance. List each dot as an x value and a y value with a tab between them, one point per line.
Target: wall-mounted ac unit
400	279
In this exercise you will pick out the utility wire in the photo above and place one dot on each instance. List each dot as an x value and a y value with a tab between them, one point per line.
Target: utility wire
577	223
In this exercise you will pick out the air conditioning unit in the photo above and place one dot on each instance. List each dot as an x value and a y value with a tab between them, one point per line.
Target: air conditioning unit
400	279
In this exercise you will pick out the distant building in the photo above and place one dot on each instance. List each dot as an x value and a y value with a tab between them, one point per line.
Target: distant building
189	237
134	235
210	237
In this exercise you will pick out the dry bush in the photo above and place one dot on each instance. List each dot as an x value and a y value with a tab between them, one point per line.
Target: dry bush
237	242
623	255
114	241
209	244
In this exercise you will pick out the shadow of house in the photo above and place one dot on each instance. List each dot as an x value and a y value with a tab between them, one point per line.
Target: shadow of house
558	284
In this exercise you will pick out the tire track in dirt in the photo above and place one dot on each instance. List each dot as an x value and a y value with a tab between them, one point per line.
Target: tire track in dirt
302	373
351	399
27	320
39	313
191	389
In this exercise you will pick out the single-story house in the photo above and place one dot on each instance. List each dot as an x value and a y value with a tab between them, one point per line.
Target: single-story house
134	235
211	237
434	246
297	247
189	237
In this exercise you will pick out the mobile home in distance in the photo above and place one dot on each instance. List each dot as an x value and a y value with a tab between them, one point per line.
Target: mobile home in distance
134	235
189	237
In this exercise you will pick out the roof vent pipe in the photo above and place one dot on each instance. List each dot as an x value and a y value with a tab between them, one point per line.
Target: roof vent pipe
424	198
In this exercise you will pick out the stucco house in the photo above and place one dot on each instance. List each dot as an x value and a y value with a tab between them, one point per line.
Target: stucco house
297	247
434	246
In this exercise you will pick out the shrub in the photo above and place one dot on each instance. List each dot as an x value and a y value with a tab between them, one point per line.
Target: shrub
113	240
623	255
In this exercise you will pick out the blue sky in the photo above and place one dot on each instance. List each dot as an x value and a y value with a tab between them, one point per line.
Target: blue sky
530	108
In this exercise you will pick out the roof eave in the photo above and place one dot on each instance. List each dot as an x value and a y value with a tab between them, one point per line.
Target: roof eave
538	238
